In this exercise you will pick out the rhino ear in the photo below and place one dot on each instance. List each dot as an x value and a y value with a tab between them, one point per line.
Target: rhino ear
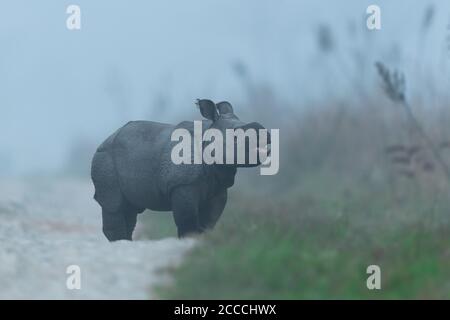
224	107
208	109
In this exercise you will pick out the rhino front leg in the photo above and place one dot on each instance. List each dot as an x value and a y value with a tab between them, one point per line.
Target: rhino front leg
212	210
185	208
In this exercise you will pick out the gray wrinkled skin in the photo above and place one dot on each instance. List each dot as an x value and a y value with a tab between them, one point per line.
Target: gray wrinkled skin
132	171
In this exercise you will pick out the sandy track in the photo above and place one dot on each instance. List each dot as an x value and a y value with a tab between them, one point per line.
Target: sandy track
48	224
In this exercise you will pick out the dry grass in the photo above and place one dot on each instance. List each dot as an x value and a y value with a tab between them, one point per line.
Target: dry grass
363	180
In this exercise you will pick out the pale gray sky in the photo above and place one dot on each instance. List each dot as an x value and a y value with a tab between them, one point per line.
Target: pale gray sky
54	82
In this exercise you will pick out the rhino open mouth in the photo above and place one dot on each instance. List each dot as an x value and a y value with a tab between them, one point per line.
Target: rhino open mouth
264	150
264	154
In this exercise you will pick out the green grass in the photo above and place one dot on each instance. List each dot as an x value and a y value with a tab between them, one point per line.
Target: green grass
316	243
156	225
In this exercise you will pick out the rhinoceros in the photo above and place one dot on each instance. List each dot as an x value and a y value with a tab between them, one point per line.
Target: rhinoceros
133	170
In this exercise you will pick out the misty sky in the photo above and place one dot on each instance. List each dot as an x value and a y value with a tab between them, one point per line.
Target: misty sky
57	85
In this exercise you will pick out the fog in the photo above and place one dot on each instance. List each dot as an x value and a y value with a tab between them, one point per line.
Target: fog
151	60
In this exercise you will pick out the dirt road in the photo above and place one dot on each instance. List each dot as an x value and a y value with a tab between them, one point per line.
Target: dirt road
47	225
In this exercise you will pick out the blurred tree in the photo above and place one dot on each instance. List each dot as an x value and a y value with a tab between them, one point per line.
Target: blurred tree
116	87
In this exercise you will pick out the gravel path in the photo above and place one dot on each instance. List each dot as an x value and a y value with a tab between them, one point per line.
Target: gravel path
47	225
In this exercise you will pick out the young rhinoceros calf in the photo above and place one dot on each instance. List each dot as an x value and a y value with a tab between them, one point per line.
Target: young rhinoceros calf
133	171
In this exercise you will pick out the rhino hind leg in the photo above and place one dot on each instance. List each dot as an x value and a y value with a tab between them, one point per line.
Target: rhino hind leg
119	225
118	215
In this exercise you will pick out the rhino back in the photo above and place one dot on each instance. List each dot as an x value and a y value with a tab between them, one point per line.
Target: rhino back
142	155
175	175
137	151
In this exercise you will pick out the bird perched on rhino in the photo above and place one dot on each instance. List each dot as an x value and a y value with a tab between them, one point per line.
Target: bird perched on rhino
133	170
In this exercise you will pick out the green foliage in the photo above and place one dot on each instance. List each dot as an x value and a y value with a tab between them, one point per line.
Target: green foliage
310	245
156	225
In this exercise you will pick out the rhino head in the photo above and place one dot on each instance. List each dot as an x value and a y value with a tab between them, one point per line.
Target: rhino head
243	144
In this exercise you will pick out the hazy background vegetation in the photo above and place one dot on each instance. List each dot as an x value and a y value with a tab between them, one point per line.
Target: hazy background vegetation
358	183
